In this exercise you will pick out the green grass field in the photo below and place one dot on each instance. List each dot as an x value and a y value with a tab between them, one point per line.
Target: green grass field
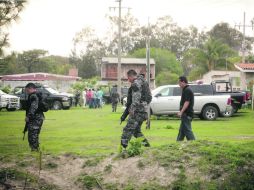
80	151
98	131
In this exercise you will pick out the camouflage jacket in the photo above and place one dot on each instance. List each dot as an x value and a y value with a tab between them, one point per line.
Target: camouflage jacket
137	105
115	97
32	111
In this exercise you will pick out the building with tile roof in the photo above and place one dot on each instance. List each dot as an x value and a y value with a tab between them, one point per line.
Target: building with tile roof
109	69
247	74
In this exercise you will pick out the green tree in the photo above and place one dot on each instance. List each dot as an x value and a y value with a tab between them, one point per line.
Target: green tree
87	52
9	11
87	68
10	66
165	60
250	58
56	64
129	33
168	35
230	36
213	55
32	61
166	77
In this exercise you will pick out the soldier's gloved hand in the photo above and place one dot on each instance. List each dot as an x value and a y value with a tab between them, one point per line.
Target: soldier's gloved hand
121	119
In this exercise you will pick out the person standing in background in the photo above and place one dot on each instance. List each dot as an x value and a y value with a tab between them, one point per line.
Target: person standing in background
84	97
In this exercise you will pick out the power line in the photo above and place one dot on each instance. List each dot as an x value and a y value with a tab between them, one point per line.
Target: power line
243	42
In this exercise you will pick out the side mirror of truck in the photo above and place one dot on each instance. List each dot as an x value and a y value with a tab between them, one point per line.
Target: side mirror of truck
198	94
158	95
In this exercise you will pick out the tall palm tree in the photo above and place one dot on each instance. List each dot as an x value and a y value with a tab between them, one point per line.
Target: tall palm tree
207	58
214	51
211	54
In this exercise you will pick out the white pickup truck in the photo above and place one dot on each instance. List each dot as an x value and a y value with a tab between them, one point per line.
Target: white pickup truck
166	101
10	102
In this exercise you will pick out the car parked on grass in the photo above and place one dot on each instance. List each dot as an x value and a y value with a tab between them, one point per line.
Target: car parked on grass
9	102
166	101
55	100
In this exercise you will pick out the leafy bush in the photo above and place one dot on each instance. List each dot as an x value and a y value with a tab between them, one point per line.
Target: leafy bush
6	89
169	127
89	182
92	162
135	147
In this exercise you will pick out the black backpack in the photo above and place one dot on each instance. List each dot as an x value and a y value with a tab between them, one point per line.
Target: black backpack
43	105
147	96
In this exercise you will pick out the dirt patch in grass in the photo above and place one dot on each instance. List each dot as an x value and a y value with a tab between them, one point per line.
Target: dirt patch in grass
63	176
195	165
124	171
59	171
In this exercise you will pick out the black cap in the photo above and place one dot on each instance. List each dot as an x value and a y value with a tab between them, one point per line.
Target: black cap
30	85
183	79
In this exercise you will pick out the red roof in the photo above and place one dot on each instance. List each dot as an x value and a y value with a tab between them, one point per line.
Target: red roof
246	66
37	77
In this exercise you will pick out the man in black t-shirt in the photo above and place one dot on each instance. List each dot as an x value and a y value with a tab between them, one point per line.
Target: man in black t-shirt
186	111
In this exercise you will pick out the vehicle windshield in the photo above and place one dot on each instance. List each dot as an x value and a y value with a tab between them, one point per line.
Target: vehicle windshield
52	91
157	90
2	93
17	91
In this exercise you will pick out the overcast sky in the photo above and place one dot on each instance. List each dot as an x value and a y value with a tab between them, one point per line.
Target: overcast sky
52	24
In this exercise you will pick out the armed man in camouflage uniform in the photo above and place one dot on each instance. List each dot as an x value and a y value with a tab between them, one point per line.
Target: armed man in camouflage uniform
115	98
34	117
137	109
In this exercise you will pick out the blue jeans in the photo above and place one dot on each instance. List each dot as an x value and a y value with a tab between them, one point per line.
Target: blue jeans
185	129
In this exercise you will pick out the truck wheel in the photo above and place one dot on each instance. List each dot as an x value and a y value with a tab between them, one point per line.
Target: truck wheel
234	108
201	116
151	111
11	109
210	113
228	113
57	105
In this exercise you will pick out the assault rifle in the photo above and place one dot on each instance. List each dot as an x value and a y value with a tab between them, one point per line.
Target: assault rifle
124	115
25	130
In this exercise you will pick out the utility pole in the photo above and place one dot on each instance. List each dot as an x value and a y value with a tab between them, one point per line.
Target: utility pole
148	70
119	72
243	42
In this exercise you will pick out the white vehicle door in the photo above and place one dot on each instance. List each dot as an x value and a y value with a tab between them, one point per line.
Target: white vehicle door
176	98
163	101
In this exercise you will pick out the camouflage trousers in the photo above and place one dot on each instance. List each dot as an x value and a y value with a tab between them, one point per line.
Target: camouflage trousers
114	106
34	128
133	127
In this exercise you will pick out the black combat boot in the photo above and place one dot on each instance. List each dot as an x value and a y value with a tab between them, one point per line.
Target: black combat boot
146	143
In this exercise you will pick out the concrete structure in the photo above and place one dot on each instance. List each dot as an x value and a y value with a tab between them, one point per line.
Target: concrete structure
109	69
232	76
61	83
247	74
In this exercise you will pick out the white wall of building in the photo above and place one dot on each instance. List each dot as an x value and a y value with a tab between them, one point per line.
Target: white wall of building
60	85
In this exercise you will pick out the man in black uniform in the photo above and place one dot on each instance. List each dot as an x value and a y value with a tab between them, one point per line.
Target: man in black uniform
115	98
186	110
34	117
